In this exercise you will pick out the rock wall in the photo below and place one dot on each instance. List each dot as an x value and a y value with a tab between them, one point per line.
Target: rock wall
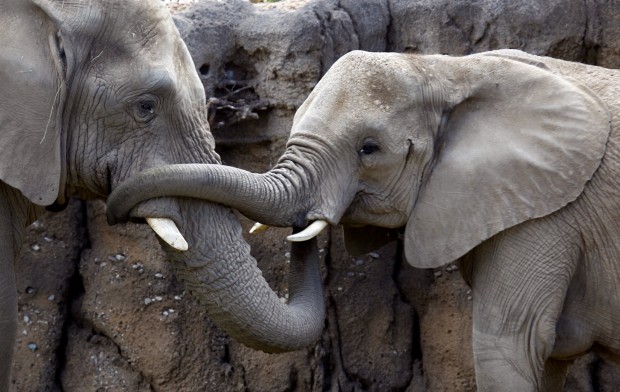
100	310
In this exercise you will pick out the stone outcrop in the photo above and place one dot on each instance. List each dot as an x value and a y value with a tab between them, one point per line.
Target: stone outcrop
100	308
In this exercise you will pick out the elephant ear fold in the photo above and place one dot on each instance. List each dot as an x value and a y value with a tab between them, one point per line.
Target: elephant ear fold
32	68
522	145
362	240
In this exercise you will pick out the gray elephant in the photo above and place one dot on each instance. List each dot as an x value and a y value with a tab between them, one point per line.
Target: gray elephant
508	161
92	92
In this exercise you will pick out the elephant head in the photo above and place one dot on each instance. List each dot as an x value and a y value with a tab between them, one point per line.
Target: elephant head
453	149
94	92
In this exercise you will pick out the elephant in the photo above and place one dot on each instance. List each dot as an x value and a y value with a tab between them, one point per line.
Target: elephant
505	161
92	92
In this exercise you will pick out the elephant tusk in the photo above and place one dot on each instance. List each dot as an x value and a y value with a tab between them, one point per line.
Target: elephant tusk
167	230
309	232
258	227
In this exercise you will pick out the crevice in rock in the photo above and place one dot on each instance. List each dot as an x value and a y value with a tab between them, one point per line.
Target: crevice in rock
466	35
595	369
333	366
416	337
591	33
389	45
75	320
483	36
235	98
75	291
356	34
323	35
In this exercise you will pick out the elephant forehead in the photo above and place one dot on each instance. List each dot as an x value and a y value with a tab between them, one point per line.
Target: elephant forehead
361	91
363	81
147	23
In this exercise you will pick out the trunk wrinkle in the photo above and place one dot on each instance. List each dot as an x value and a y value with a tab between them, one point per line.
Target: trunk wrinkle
238	299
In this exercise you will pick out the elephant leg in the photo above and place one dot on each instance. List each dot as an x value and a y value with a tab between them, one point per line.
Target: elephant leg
13	216
520	279
8	321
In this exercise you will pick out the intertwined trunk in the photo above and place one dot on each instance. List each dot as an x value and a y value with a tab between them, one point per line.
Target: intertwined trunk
271	198
219	270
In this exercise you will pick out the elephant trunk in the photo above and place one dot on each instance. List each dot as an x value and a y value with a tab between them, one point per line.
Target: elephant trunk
271	198
220	272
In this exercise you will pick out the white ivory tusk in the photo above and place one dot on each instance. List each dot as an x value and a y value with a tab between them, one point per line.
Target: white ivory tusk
167	230
258	227
309	232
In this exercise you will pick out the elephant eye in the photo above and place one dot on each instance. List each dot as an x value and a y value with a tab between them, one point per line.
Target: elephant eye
369	148
145	110
147	107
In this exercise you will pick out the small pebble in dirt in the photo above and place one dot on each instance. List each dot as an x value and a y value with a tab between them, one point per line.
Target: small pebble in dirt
120	257
159	275
26	319
438	274
374	255
37	225
147	301
29	290
36	247
32	347
47	239
177	298
158	298
452	268
51	297
165	313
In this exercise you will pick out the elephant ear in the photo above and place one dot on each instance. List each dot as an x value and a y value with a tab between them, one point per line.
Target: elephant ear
521	145
362	240
32	69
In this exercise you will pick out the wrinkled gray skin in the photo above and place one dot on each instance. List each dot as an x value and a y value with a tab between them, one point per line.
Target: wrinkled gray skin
507	160
92	92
